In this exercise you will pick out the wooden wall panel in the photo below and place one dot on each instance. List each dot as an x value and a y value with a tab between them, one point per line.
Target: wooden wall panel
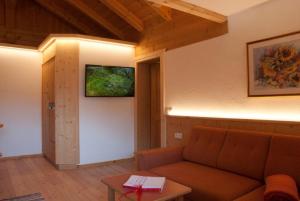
185	125
67	102
183	30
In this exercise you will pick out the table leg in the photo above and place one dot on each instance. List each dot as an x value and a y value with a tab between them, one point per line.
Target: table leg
111	194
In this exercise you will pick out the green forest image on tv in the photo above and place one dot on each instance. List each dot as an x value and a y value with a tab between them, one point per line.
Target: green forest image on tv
109	81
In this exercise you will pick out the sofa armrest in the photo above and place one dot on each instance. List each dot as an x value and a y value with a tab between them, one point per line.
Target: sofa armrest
158	157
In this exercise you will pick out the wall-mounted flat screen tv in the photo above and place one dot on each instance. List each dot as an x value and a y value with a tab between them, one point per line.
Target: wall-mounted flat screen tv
109	81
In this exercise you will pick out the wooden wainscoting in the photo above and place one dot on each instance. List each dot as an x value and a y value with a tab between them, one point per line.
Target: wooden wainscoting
185	124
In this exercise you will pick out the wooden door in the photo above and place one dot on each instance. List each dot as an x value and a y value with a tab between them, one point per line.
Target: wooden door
155	112
148	105
143	107
48	109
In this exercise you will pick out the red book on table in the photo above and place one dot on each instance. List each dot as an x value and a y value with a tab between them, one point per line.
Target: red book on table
145	183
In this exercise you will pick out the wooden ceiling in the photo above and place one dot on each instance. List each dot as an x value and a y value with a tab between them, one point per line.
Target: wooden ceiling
28	22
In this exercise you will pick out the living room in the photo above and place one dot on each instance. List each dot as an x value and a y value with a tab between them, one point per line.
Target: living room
193	77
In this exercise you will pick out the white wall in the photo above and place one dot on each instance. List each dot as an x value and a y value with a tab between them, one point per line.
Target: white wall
106	124
210	78
20	102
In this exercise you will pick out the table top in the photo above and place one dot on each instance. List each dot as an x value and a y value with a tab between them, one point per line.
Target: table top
171	189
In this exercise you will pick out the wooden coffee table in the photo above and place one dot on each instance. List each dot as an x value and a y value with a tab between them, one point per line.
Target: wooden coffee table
172	190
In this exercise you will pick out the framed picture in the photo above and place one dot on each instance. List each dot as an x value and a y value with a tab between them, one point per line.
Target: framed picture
274	66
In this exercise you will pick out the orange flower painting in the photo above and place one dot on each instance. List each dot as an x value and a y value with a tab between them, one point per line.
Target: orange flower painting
274	68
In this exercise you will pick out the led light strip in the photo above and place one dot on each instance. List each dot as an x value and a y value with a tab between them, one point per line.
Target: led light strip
235	115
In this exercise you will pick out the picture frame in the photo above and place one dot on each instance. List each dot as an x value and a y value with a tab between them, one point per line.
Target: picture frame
274	66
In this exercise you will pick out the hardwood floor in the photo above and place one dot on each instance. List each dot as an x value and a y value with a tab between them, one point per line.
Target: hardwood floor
36	174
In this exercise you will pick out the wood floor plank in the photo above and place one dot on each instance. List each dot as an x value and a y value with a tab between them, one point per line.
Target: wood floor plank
6	185
31	175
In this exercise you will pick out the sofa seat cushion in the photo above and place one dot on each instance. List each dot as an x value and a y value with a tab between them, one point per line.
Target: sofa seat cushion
255	195
207	183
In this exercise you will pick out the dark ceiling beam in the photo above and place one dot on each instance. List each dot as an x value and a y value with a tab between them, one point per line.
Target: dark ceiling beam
84	8
124	13
60	12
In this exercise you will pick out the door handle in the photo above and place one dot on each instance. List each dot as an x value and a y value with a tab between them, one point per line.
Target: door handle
51	106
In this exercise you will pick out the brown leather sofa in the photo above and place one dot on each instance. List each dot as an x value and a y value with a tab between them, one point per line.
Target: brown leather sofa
225	165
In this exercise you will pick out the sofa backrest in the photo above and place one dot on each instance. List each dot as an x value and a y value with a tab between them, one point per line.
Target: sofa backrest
204	145
245	153
284	157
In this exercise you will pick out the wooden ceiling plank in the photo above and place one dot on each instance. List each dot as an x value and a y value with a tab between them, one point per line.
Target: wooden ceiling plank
4	29
51	6
79	4
192	9
124	13
10	20
31	38
10	13
163	11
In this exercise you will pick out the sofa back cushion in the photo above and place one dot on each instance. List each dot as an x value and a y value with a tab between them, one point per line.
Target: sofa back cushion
284	157
245	153
204	145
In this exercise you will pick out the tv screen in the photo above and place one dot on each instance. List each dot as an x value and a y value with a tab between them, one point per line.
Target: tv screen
109	81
